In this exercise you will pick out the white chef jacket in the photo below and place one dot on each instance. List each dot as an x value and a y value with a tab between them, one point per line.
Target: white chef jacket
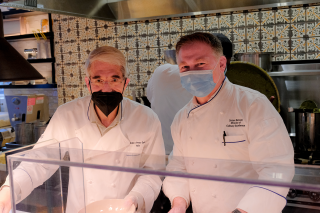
255	133
135	142
167	97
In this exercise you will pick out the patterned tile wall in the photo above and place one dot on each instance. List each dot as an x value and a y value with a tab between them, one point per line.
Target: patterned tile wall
291	33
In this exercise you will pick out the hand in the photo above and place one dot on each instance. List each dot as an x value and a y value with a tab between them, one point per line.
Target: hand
179	205
129	200
5	200
271	99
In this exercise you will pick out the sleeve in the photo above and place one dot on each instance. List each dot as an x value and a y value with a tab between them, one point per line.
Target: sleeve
153	157
27	176
172	186
150	89
272	148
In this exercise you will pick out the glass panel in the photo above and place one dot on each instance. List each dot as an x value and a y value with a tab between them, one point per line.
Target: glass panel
65	179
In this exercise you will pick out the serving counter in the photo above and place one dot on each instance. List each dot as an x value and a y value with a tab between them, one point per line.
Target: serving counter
60	176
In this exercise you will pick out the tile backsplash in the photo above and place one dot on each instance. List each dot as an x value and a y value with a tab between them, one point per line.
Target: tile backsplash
291	33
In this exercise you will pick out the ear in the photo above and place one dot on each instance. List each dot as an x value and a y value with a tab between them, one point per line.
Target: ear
223	63
127	83
88	83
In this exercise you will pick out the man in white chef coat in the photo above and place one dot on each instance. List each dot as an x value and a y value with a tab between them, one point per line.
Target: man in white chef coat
167	97
166	94
205	129
104	121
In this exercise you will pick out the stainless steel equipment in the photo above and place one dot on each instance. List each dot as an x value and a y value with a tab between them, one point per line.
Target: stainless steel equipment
27	108
38	130
262	60
24	133
307	130
131	10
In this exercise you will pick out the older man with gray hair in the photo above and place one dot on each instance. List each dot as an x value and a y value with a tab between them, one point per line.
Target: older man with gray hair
107	122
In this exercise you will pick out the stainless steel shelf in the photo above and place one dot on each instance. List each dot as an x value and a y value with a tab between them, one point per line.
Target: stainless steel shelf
295	73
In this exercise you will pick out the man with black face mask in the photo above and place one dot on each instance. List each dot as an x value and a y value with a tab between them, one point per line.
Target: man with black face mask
128	133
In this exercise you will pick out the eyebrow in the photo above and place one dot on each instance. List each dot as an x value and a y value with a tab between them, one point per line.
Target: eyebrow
98	76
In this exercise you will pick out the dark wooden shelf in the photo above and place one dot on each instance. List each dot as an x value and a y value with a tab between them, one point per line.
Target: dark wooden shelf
28	86
14	12
17	37
42	60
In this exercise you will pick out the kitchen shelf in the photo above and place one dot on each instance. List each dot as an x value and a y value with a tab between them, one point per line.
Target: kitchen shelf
311	61
41	60
294	73
14	12
25	36
39	86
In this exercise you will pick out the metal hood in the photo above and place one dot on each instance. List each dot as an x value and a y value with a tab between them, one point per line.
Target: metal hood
13	67
131	10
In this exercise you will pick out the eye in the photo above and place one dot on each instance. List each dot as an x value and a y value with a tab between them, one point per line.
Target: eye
115	80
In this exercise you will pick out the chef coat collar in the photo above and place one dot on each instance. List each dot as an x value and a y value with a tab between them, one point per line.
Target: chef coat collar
194	103
95	119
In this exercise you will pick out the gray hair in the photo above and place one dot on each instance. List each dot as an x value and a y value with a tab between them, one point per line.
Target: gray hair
107	54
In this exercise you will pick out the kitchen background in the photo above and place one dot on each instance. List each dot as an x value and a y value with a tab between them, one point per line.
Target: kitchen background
292	33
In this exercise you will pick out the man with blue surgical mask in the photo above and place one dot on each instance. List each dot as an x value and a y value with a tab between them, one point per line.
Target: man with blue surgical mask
228	122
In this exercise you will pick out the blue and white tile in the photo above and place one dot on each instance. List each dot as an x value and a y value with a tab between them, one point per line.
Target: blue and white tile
282	31
239	20
268	32
225	21
283	16
313	29
253	33
268	46
239	34
298	15
267	17
252	19
200	23
283	46
298	46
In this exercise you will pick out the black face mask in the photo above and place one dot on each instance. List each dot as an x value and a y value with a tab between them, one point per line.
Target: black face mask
106	101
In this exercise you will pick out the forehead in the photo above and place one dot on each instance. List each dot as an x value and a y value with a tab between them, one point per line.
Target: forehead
195	50
104	69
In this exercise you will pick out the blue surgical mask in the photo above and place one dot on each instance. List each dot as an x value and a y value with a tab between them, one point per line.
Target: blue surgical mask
199	82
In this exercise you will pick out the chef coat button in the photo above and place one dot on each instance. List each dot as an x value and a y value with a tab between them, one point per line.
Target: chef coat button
215	166
90	181
117	161
221	113
214	196
192	162
193	190
190	138
113	185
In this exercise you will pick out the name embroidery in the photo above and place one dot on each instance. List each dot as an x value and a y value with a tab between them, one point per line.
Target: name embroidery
236	123
137	143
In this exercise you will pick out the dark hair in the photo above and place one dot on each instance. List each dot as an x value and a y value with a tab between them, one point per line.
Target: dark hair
226	45
206	38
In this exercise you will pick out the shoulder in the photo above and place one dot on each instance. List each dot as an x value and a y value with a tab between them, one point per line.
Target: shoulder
253	101
247	96
133	109
74	106
165	67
